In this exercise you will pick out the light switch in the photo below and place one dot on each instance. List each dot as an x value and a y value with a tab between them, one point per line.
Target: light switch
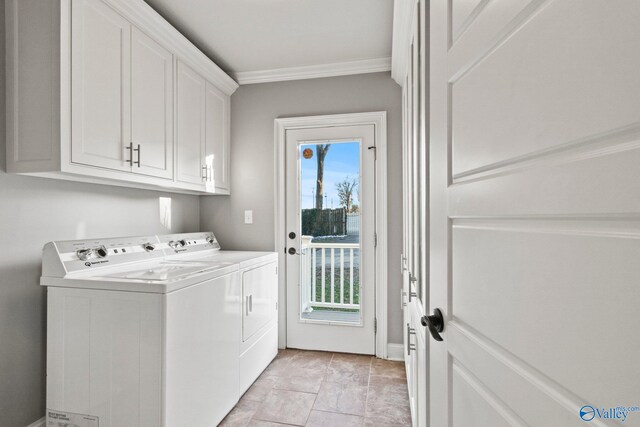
248	217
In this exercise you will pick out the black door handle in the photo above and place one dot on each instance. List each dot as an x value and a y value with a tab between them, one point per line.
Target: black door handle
292	251
435	323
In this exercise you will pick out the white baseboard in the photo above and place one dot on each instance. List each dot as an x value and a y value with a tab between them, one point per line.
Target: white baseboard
395	352
40	423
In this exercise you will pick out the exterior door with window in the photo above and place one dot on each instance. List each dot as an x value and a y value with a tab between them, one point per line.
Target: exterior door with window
330	257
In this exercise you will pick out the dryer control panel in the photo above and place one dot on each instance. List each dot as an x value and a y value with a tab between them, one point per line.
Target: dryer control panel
188	243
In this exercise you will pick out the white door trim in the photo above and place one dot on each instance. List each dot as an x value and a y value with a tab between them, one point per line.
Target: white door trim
379	120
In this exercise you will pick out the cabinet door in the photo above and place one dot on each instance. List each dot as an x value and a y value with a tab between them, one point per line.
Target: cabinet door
258	299
190	135
100	92
217	139
151	106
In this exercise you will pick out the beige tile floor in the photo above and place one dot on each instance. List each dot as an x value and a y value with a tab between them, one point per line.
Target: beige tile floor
311	388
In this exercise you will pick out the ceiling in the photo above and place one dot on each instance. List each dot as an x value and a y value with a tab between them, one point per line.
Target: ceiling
257	35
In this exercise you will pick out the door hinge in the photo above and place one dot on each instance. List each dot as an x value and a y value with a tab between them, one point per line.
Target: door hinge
375	240
375	325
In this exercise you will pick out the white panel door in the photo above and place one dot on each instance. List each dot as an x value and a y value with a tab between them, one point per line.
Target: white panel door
151	106
217	138
100	91
535	214
190	125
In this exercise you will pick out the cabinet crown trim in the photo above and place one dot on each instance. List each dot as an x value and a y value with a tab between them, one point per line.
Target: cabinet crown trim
144	16
403	15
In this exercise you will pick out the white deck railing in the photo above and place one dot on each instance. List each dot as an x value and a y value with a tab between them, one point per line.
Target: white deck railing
320	258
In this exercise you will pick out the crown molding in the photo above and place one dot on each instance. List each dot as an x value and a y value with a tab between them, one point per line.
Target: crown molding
314	71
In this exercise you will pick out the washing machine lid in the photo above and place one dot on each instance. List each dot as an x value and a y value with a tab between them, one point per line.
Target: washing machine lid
162	272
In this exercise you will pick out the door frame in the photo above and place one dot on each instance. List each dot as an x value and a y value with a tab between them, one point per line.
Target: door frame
379	120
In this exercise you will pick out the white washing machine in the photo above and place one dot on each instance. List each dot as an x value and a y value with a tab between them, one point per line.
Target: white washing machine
155	330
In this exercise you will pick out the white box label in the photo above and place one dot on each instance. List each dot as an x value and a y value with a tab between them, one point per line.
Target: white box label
69	419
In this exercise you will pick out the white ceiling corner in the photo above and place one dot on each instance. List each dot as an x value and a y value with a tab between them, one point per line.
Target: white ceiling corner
258	41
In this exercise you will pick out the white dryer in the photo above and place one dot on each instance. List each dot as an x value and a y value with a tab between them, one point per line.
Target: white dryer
155	330
259	301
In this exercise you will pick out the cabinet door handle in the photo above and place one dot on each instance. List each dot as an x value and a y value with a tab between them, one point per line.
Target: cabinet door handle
412	279
139	150
410	331
130	148
247	306
251	303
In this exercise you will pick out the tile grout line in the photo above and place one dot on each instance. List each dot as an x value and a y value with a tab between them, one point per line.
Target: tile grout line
366	400
320	388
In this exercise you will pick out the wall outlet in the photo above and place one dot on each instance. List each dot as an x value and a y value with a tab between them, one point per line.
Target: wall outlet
248	217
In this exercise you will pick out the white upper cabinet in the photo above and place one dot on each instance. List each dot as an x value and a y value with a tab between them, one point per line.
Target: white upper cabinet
107	91
202	132
151	107
217	138
190	127
100	95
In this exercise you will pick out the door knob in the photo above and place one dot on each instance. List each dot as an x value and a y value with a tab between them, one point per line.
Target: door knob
435	323
292	251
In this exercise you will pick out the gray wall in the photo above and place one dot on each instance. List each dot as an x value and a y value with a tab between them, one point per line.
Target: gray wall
253	110
34	211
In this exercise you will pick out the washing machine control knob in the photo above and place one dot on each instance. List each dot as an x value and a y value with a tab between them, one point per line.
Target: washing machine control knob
101	251
83	254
